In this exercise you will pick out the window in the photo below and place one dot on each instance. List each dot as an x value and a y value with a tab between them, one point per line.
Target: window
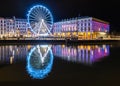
88	28
81	24
81	29
88	23
85	29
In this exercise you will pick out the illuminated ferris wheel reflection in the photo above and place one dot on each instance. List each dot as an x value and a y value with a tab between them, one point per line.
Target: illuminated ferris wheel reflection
39	61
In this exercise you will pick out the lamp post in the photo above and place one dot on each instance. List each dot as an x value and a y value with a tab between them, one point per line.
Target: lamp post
17	33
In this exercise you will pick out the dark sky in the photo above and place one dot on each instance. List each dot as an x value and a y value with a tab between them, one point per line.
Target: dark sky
107	10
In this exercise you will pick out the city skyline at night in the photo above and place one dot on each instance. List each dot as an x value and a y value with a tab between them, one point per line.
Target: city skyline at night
59	42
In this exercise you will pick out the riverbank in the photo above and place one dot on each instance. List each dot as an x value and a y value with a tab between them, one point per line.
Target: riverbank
59	41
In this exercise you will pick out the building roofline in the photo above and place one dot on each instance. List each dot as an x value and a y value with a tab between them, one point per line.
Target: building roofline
99	20
83	17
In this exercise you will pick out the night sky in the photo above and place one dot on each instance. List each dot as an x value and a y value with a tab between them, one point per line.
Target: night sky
107	10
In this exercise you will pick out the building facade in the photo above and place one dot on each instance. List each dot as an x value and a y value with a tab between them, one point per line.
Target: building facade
10	27
21	26
82	27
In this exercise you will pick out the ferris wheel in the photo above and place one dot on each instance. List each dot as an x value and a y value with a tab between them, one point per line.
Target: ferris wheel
40	20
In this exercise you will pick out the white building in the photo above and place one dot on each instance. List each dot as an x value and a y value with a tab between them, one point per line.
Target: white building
13	27
81	27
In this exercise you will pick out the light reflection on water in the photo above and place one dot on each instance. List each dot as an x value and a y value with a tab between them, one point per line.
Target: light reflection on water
86	54
39	61
10	54
39	58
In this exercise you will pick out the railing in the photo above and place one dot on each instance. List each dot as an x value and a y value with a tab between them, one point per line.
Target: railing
55	38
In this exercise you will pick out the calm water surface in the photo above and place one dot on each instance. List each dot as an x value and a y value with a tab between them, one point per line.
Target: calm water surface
72	64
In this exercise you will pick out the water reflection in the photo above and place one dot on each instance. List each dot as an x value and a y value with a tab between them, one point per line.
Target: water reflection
39	61
40	57
86	54
10	54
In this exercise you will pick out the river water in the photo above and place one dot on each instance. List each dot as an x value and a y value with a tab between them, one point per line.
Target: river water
94	65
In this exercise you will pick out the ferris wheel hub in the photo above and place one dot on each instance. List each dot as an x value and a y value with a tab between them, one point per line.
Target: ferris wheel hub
42	20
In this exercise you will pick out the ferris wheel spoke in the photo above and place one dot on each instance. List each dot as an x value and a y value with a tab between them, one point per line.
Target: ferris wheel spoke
49	19
47	15
33	20
33	13
46	11
32	17
37	11
48	22
46	18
